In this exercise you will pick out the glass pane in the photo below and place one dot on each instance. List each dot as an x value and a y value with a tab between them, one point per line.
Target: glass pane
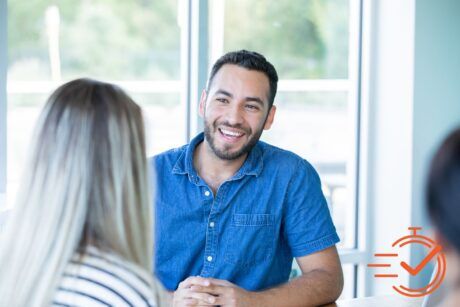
165	122
116	40
349	281
313	124
317	126
133	42
305	39
163	115
23	111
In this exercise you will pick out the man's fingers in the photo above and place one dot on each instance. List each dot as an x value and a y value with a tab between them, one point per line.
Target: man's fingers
207	289
225	301
212	289
186	297
193	280
225	296
189	302
181	300
199	291
218	301
202	297
198	288
220	282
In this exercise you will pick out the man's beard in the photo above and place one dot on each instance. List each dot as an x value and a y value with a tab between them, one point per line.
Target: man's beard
225	153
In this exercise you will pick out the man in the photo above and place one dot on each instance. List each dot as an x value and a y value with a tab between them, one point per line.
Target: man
232	211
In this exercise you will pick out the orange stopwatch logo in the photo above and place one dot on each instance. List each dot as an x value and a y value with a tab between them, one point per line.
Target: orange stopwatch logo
434	253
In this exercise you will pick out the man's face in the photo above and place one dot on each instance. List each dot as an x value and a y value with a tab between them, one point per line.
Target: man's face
235	111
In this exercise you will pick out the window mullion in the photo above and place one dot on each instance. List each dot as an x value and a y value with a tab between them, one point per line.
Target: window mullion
197	56
3	76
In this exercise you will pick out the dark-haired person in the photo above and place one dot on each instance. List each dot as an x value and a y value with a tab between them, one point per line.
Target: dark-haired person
232	212
443	201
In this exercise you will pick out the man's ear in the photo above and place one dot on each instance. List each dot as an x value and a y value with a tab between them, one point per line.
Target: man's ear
202	105
270	118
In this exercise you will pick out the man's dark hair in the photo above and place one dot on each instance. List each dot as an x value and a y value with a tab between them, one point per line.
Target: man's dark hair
250	60
443	190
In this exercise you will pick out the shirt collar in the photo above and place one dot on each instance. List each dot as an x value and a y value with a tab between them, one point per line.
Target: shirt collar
184	165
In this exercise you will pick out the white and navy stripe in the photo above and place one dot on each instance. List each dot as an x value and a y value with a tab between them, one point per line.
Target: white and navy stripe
102	279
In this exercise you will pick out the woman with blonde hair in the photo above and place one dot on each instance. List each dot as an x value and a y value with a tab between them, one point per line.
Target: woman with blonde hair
80	233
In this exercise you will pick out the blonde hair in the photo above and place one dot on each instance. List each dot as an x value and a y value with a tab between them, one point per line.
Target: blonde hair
86	184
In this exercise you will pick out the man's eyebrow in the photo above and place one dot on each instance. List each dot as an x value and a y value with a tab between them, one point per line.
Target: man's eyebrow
223	92
228	94
255	99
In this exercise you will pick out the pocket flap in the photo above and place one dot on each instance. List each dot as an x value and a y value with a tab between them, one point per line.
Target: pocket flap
253	219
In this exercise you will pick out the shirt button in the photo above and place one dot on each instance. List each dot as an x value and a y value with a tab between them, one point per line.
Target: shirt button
207	193
209	258
211	224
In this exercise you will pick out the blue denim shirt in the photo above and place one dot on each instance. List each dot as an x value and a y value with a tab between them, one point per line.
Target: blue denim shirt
270	211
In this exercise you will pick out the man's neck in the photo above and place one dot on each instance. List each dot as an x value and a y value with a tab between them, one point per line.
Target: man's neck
212	169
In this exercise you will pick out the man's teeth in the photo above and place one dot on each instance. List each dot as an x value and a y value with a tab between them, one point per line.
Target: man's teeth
231	133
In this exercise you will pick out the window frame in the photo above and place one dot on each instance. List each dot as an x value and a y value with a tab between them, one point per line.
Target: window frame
3	82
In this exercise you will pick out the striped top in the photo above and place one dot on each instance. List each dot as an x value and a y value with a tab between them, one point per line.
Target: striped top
98	279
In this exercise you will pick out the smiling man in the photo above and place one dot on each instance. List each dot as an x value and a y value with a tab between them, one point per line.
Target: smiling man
232	212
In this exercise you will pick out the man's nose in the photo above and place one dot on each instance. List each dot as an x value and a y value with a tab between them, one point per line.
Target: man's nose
235	115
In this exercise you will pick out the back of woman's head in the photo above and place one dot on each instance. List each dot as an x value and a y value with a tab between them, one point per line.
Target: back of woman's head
443	190
85	184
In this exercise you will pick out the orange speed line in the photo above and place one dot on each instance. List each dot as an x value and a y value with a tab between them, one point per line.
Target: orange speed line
379	265
386	255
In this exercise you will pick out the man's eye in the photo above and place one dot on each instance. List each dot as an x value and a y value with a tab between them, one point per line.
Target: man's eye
252	107
223	100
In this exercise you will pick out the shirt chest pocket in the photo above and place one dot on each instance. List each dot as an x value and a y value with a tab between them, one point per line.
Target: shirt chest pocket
250	239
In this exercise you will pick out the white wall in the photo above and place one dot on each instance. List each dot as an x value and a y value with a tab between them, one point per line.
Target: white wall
436	89
390	100
414	100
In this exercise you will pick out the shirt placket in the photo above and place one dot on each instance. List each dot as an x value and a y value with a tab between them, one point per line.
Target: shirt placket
211	245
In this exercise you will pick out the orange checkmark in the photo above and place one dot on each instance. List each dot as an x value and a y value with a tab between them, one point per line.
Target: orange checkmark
422	264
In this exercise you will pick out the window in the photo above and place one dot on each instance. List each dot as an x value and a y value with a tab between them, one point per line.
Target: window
135	44
156	51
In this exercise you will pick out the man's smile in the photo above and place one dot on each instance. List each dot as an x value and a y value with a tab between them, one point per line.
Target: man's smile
231	135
